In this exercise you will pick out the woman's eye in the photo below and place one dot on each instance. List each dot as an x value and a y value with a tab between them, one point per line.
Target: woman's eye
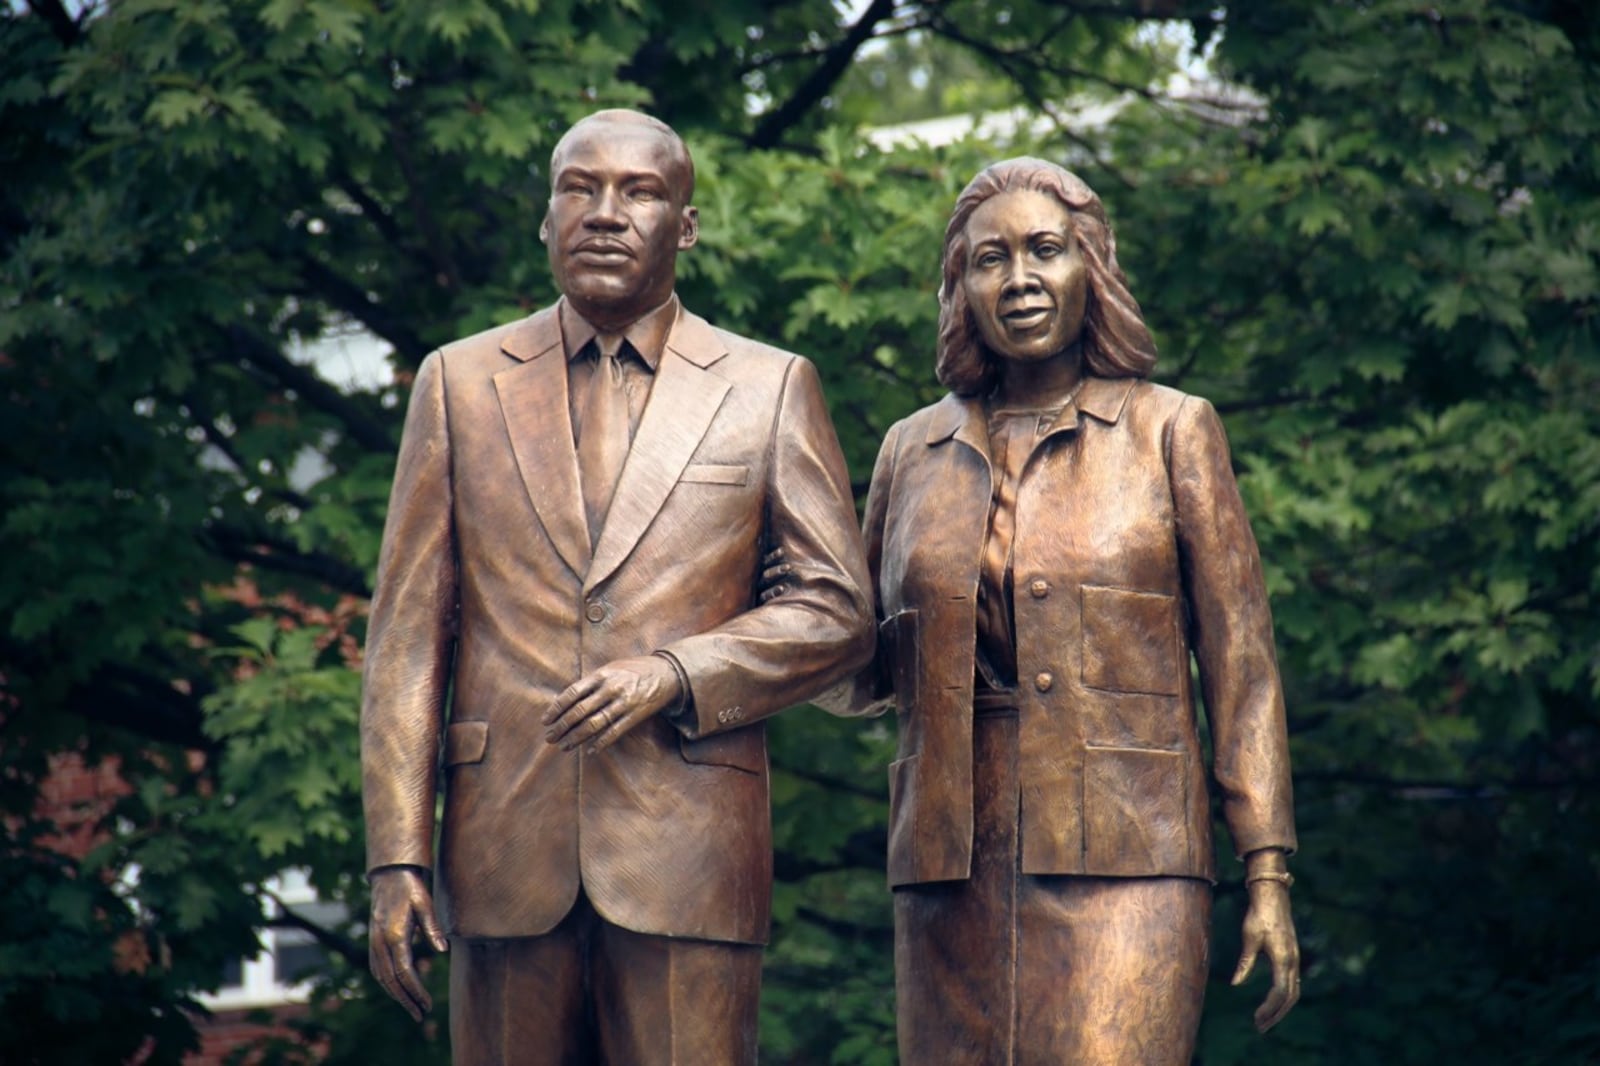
989	259
1048	251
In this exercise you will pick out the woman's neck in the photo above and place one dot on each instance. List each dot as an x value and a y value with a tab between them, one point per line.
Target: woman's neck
1041	383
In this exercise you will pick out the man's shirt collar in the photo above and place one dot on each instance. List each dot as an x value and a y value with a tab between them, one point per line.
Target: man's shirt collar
647	334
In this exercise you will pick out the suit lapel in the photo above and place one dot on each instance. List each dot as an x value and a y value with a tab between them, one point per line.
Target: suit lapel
683	400
533	399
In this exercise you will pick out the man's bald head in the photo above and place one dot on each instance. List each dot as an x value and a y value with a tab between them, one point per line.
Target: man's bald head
622	122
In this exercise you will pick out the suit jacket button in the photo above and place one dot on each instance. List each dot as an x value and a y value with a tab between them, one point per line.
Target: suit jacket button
1039	589
1043	681
596	612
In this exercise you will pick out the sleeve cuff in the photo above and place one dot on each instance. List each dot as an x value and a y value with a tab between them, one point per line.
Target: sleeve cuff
679	713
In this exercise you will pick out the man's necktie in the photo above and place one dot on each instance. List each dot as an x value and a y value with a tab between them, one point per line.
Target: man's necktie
603	437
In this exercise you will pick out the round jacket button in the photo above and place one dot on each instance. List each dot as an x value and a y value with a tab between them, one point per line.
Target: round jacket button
1039	589
595	613
1043	681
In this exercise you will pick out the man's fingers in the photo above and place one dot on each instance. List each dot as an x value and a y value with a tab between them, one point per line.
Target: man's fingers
416	1000
773	593
589	718
564	729
614	723
570	696
430	928
386	967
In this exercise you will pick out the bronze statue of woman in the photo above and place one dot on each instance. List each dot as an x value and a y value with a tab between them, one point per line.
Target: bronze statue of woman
1050	543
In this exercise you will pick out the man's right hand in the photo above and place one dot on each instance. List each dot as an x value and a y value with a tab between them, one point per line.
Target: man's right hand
401	904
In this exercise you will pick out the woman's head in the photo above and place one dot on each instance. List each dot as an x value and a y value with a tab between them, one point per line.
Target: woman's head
1115	340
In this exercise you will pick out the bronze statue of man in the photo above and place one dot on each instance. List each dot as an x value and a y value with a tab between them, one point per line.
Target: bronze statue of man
572	554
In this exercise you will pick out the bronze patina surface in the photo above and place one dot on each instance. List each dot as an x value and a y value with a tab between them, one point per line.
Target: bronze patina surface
1051	544
573	542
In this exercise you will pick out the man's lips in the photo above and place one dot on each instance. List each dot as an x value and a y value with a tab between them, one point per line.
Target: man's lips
603	251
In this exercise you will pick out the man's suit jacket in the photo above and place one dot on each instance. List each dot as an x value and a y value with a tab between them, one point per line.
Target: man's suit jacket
1132	549
488	589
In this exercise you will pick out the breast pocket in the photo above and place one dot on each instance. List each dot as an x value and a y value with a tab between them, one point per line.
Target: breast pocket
1130	641
716	474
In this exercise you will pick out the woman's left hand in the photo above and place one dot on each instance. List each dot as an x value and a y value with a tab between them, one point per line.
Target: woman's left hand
1269	930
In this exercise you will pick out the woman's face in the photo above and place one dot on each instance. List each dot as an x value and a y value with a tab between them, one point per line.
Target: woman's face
1025	280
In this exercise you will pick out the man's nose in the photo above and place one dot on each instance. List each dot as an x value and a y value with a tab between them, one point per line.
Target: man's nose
605	211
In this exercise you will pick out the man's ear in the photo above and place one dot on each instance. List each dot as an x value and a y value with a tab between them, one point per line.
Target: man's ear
691	228
544	230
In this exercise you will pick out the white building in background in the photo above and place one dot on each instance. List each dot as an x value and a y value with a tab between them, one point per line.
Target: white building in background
274	976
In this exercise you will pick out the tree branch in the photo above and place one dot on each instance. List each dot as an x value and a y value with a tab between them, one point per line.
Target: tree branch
206	423
340	945
373	211
351	298
277	554
444	265
835	61
763	60
146	705
63	25
863	850
1455	789
854	932
361	426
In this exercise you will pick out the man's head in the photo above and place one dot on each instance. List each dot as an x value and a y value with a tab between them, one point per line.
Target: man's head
620	186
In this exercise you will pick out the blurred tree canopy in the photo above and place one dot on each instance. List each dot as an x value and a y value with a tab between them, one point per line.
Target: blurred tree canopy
1379	261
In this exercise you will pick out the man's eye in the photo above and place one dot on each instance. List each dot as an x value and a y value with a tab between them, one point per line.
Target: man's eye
646	195
1048	251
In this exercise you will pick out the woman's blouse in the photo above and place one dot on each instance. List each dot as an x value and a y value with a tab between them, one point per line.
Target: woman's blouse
1014	434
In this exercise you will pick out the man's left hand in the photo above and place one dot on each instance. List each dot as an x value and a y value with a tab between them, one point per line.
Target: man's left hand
598	708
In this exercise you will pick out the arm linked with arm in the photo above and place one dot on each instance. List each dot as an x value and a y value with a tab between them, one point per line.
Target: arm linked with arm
870	691
792	646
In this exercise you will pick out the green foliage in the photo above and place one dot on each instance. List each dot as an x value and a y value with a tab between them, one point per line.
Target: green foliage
1382	270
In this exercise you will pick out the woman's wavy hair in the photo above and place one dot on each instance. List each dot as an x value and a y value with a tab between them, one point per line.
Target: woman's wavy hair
1116	342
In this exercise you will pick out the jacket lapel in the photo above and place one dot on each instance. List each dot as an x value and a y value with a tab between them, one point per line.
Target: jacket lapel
683	400
961	419
533	400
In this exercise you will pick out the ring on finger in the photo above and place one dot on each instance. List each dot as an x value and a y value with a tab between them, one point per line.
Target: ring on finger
605	712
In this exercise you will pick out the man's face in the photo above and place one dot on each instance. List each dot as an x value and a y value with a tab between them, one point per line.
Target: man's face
617	221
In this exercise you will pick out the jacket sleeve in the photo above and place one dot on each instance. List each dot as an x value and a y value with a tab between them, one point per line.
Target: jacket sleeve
790	648
410	638
1231	632
870	691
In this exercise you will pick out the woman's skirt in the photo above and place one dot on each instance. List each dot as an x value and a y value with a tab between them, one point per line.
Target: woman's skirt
1011	969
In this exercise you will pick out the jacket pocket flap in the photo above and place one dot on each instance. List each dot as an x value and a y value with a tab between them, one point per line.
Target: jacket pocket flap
465	742
738	749
716	474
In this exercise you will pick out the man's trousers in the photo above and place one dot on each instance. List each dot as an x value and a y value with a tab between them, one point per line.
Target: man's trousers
589	993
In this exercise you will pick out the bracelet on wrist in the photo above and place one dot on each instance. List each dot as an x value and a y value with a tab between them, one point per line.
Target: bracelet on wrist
1283	877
